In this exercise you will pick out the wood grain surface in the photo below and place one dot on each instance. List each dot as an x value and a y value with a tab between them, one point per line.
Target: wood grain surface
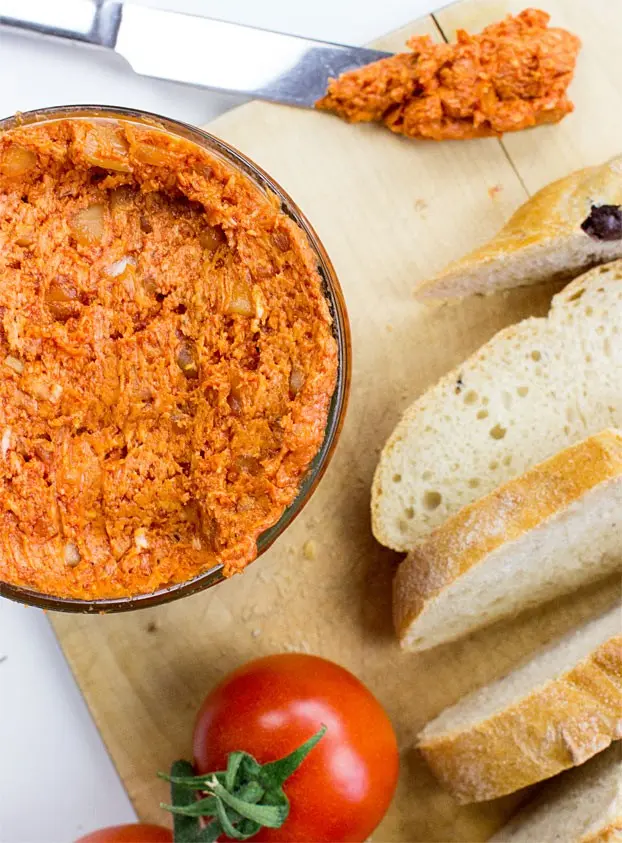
390	211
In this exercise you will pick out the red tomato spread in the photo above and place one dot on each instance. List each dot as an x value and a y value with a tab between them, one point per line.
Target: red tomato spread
513	75
167	360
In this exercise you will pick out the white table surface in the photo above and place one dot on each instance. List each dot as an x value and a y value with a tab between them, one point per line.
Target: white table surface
56	779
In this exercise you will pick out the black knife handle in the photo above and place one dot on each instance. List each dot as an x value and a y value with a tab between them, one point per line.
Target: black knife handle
90	21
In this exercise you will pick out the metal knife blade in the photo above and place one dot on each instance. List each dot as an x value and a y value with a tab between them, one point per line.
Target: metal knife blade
195	50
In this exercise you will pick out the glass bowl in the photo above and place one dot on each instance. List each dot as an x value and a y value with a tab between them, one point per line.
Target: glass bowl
341	329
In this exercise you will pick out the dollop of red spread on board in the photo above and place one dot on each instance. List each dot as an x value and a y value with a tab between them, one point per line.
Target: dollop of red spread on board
513	75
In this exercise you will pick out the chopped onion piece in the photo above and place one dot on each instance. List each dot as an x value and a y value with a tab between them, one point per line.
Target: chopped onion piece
249	464
25	236
296	380
88	225
107	148
258	303
140	539
6	441
157	156
234	400
186	359
60	298
17	161
240	301
281	240
122	198
118	267
61	290
14	363
43	390
56	390
71	554
212	237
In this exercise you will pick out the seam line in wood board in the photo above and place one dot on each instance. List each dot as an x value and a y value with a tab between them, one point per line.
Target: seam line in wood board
439	28
514	167
499	140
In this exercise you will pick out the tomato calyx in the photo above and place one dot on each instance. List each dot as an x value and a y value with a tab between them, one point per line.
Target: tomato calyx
239	801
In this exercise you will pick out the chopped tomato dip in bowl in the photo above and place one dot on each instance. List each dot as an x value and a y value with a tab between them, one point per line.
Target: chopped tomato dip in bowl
175	357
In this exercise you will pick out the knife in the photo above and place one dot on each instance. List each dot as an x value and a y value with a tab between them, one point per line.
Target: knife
195	50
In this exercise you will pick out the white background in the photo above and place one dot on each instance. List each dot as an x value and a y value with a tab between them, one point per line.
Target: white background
56	780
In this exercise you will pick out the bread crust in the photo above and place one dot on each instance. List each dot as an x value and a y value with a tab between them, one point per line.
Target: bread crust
558	726
549	221
611	834
580	806
404	453
503	516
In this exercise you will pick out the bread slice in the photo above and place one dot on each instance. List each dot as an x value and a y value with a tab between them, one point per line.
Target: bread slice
582	806
554	712
544	239
544	533
531	391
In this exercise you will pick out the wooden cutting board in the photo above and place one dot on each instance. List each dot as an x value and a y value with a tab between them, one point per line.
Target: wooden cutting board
390	212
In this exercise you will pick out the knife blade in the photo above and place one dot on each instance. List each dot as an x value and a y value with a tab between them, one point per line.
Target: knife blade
195	50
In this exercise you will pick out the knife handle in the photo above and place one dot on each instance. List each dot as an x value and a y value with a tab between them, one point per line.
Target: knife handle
91	21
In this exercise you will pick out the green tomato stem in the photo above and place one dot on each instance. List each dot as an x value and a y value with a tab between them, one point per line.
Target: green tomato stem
240	800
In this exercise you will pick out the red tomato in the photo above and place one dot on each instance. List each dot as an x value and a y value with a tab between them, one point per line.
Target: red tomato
134	833
269	707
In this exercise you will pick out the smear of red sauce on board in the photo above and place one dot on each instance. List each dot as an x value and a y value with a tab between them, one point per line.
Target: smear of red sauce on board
511	76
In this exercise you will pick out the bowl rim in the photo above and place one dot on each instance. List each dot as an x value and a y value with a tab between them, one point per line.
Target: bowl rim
341	331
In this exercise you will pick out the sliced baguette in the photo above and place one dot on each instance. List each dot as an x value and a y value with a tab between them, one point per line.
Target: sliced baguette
552	713
531	391
582	806
544	533
543	240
